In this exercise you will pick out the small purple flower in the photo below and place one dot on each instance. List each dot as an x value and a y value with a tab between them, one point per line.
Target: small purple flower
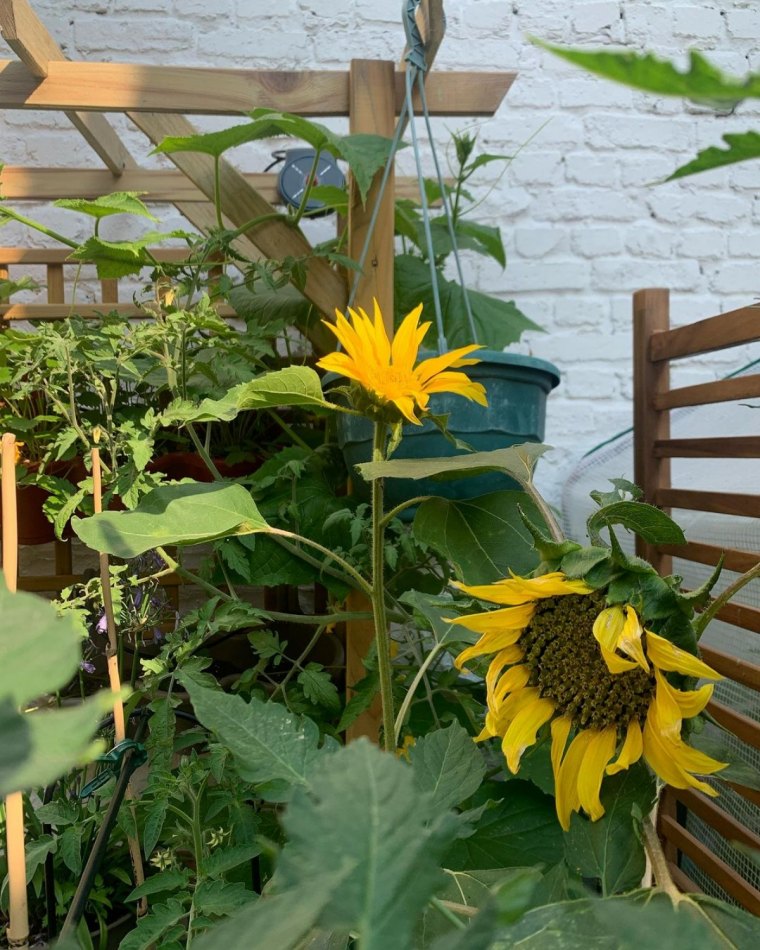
87	667
158	634
137	597
102	625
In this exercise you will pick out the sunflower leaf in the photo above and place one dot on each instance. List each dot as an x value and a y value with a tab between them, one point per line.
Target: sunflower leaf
447	766
519	461
648	522
609	849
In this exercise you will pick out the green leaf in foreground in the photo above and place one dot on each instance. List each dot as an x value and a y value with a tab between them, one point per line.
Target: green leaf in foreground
362	809
118	202
483	538
447	766
519	461
702	82
291	386
742	146
609	849
186	513
641	919
271	747
648	522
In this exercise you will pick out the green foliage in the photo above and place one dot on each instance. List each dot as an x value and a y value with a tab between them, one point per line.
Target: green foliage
447	766
497	322
39	653
483	538
186	513
741	147
118	202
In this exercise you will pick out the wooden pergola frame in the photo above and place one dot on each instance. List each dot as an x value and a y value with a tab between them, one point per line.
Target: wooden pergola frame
157	99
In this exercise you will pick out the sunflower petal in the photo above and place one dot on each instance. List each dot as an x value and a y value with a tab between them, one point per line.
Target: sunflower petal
505	657
618	628
599	751
523	729
514	678
667	656
406	342
561	727
566	791
615	663
498	621
671	759
633	747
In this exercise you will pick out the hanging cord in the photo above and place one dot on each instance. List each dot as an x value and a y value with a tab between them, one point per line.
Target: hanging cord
415	72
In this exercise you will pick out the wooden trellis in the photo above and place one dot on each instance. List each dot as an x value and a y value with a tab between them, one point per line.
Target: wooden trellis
156	99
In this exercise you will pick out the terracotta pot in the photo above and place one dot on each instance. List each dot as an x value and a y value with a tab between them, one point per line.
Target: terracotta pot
33	526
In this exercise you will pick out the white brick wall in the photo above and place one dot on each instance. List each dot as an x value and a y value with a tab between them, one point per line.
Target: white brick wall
583	223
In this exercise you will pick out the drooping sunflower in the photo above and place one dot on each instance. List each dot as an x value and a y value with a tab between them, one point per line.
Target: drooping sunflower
560	656
386	370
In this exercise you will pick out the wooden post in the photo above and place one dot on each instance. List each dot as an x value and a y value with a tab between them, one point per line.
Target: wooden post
18	928
651	314
372	109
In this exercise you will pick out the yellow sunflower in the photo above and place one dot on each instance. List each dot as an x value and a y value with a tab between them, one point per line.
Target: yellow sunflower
561	657
386	370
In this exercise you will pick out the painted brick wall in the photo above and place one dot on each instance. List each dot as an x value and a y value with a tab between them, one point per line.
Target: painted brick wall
583	224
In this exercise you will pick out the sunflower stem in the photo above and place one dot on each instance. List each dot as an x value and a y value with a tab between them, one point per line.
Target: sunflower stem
546	513
700	624
659	861
377	596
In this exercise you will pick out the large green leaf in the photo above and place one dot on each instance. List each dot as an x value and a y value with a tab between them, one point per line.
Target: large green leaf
40	746
702	82
521	829
119	202
186	513
39	651
121	258
649	523
609	849
447	766
519	461
272	748
641	919
497	322
482	538
216	144
276	922
362	809
742	146
291	386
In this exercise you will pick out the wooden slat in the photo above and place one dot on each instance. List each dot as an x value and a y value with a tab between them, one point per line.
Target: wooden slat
89	311
710	812
722	503
750	794
722	390
734	560
682	881
651	314
742	726
127	87
737	447
706	336
731	881
740	616
59	255
18	183
242	204
742	671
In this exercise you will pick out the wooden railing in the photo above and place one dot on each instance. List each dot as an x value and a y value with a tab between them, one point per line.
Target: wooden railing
655	345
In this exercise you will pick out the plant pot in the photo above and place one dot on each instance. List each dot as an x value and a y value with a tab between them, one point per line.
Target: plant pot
33	526
516	386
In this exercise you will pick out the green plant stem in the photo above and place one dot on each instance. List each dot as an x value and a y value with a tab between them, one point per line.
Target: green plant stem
395	512
288	430
348	568
255	222
307	191
546	512
700	625
424	667
218	193
659	862
443	908
36	226
201	449
377	595
297	665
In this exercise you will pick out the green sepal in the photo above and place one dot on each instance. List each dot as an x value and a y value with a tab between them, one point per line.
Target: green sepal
700	597
551	551
582	561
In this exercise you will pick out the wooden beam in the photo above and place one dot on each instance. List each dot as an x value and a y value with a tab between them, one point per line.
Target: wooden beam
39	53
19	183
242	204
119	87
431	22
35	47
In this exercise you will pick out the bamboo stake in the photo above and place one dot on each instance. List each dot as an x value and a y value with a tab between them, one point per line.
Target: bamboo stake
120	731
18	927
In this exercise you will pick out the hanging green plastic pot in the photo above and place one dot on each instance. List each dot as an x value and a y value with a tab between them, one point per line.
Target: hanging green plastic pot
517	387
